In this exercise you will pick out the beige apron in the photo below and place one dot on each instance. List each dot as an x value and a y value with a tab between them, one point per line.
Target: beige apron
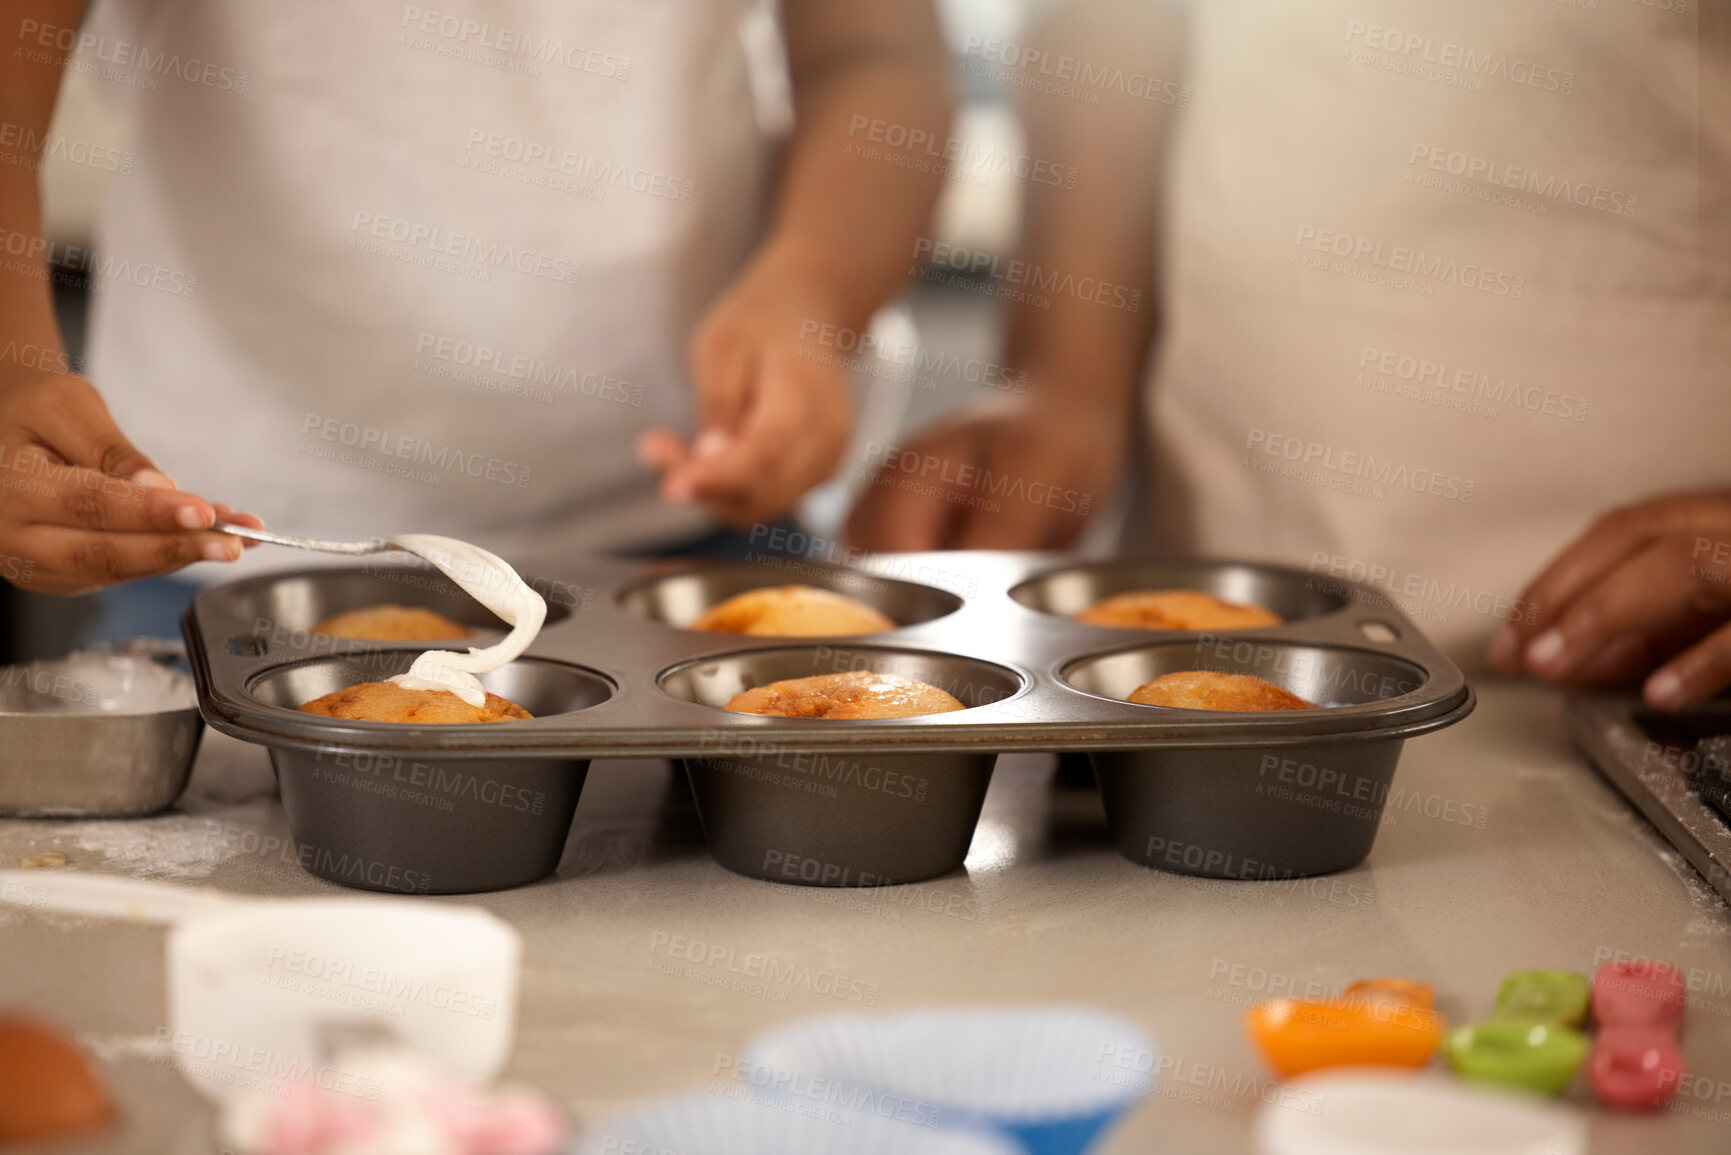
1446	281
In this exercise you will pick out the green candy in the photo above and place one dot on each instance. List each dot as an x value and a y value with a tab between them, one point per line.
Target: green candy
1560	997
1527	1054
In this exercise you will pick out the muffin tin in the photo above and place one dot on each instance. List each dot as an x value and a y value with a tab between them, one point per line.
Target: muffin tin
818	802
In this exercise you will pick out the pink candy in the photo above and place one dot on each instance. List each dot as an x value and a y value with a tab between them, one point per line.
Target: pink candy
1636	1064
503	1123
1644	992
312	1120
415	1106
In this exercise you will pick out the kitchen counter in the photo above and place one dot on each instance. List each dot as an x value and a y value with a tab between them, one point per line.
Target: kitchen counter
1501	850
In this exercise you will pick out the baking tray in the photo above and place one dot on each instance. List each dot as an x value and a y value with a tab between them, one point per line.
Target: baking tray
1284	793
1668	766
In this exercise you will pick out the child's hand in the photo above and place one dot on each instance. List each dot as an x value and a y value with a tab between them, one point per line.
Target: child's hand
772	421
1058	462
1646	586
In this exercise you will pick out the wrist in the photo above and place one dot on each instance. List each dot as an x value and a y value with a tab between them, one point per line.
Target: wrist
31	364
819	277
1078	403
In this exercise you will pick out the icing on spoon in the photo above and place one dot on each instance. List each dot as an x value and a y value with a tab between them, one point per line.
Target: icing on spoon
489	580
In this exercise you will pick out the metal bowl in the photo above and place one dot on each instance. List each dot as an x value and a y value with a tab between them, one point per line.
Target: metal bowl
75	748
866	816
1240	807
680	598
419	818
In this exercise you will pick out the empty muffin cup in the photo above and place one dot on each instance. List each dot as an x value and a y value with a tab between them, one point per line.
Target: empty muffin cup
419	819
858	813
1244	806
736	1120
1050	1079
681	597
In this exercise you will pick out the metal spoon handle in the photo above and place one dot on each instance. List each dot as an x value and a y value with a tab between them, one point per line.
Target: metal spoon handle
377	545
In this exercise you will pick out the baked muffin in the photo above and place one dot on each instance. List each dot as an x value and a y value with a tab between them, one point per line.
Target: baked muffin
389	702
1175	610
1210	690
793	612
392	624
858	694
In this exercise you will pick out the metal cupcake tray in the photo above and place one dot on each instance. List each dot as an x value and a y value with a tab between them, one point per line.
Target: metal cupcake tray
616	674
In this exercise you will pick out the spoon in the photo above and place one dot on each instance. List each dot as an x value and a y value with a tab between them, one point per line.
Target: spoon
377	545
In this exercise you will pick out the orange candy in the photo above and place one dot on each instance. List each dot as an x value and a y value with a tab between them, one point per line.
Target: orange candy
47	1090
1380	1022
1394	990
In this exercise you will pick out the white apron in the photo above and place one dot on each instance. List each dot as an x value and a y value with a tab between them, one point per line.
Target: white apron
385	268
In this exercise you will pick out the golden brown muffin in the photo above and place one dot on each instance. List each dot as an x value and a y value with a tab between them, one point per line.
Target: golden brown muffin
859	694
1210	690
389	702
47	1089
392	624
793	612
1175	610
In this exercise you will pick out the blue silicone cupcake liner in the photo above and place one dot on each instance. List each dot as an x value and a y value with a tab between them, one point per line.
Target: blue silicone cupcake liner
1051	1078
716	1124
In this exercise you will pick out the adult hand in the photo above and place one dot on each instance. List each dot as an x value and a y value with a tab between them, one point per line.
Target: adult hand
80	506
774	414
1021	476
1645	592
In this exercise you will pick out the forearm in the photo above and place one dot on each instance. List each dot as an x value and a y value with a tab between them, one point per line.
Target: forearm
1096	230
29	86
29	334
846	219
1085	353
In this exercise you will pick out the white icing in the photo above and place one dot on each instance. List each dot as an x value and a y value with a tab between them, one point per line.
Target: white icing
494	584
95	683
